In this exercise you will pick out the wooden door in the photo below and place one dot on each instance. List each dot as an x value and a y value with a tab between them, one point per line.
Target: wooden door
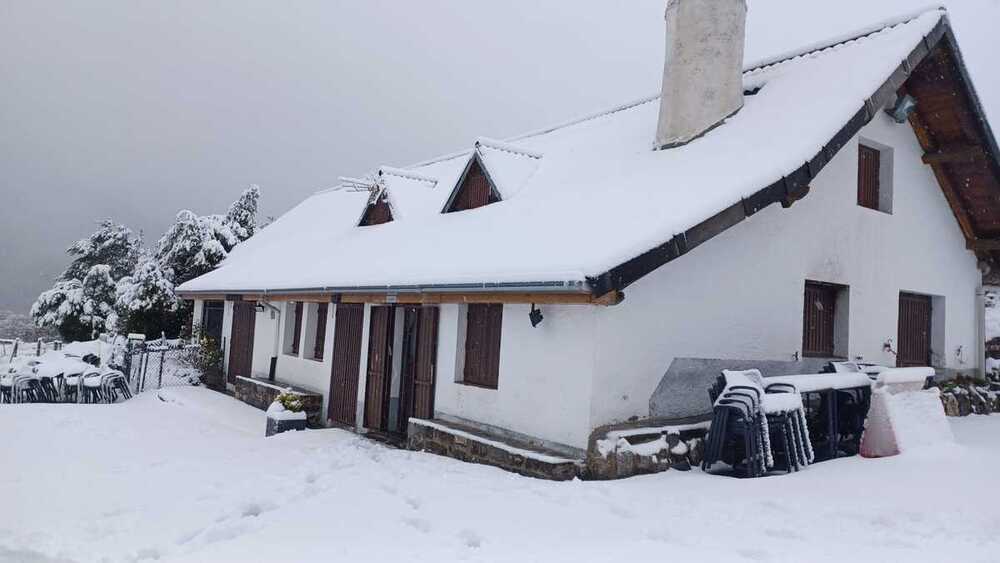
241	339
819	309
344	374
914	342
379	367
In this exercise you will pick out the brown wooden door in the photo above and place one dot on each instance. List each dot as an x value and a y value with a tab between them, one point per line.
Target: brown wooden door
419	364
914	347
241	339
819	309
344	374
379	367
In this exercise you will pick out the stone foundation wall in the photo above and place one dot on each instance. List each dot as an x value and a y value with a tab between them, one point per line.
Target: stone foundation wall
426	438
261	394
965	398
625	451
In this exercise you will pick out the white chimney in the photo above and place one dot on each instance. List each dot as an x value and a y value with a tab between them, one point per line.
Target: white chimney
703	69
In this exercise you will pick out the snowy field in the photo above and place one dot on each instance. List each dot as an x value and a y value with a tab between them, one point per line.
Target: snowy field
185	475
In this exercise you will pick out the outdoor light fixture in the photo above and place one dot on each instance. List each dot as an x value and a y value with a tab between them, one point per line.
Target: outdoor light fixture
259	308
535	316
901	110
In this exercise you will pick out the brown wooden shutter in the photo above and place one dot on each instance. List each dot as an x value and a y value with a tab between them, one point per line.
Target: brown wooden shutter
345	372
377	213
297	332
869	162
320	342
379	367
475	190
482	344
424	375
818	320
914	347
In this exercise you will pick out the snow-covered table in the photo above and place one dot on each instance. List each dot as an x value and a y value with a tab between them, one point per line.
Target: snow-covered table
826	386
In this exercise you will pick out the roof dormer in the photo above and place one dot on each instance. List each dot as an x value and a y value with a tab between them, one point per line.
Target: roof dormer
495	171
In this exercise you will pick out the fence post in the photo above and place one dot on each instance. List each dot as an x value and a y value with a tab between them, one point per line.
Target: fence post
16	342
38	347
159	380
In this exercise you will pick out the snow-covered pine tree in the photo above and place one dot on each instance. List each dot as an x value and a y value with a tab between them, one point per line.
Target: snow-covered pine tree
113	245
99	299
242	214
146	299
194	245
82	293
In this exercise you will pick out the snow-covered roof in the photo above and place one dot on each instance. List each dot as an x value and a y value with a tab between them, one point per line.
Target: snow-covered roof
580	199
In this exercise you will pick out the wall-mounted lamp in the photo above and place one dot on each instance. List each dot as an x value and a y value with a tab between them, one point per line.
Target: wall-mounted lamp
259	308
535	316
901	110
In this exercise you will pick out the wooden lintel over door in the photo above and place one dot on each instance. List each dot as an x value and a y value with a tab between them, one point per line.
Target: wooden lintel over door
241	339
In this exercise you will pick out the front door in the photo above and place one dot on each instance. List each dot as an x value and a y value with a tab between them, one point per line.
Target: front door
241	339
914	348
379	378
419	379
344	375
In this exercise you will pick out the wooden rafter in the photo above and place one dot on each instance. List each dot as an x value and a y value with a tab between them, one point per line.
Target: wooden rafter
964	153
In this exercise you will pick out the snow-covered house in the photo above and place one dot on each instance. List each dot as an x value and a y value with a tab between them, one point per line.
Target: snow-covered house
837	201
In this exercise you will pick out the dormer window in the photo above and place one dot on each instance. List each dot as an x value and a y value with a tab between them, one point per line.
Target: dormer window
377	212
474	190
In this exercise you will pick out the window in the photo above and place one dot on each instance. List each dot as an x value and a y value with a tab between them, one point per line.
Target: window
482	345
319	341
875	176
211	321
824	320
293	327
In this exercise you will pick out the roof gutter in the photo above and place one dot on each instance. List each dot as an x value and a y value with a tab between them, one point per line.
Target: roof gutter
572	286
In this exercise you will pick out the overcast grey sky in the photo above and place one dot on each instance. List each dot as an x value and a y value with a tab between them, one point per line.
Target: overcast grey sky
134	110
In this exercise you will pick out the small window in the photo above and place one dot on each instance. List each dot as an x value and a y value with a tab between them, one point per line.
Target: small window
875	176
824	320
482	345
320	339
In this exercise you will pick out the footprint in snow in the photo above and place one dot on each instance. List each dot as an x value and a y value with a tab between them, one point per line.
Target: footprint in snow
470	539
413	503
418	524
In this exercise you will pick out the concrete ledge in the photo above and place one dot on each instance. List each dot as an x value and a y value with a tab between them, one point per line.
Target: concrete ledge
261	393
467	444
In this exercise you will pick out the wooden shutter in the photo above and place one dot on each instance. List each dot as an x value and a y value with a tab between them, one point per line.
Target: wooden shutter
914	346
379	367
320	342
344	374
241	339
475	190
869	163
482	345
818	320
424	375
377	213
297	332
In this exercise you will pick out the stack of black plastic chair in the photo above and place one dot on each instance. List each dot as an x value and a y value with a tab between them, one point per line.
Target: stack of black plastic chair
738	434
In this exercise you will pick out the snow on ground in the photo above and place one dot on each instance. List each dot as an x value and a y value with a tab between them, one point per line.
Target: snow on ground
185	475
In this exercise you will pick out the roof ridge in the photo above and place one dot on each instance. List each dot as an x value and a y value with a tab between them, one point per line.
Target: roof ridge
843	38
506	147
754	66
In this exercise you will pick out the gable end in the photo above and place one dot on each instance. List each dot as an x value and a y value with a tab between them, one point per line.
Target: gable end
474	189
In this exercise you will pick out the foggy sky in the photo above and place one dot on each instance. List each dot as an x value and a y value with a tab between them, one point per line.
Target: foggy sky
134	110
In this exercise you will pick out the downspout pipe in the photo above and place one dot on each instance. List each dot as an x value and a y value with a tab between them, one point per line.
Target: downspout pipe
276	311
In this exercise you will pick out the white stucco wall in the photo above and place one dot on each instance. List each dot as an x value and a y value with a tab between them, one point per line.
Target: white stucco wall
545	373
299	370
740	295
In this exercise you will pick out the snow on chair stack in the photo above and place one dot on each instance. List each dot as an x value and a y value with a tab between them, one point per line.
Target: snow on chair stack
748	417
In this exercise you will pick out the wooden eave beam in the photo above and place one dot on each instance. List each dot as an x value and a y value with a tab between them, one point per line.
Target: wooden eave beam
970	153
983	245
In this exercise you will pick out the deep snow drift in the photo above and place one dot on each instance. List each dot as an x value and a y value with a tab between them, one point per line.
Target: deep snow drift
185	474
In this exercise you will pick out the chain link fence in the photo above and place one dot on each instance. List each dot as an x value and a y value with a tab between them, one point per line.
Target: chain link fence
155	366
